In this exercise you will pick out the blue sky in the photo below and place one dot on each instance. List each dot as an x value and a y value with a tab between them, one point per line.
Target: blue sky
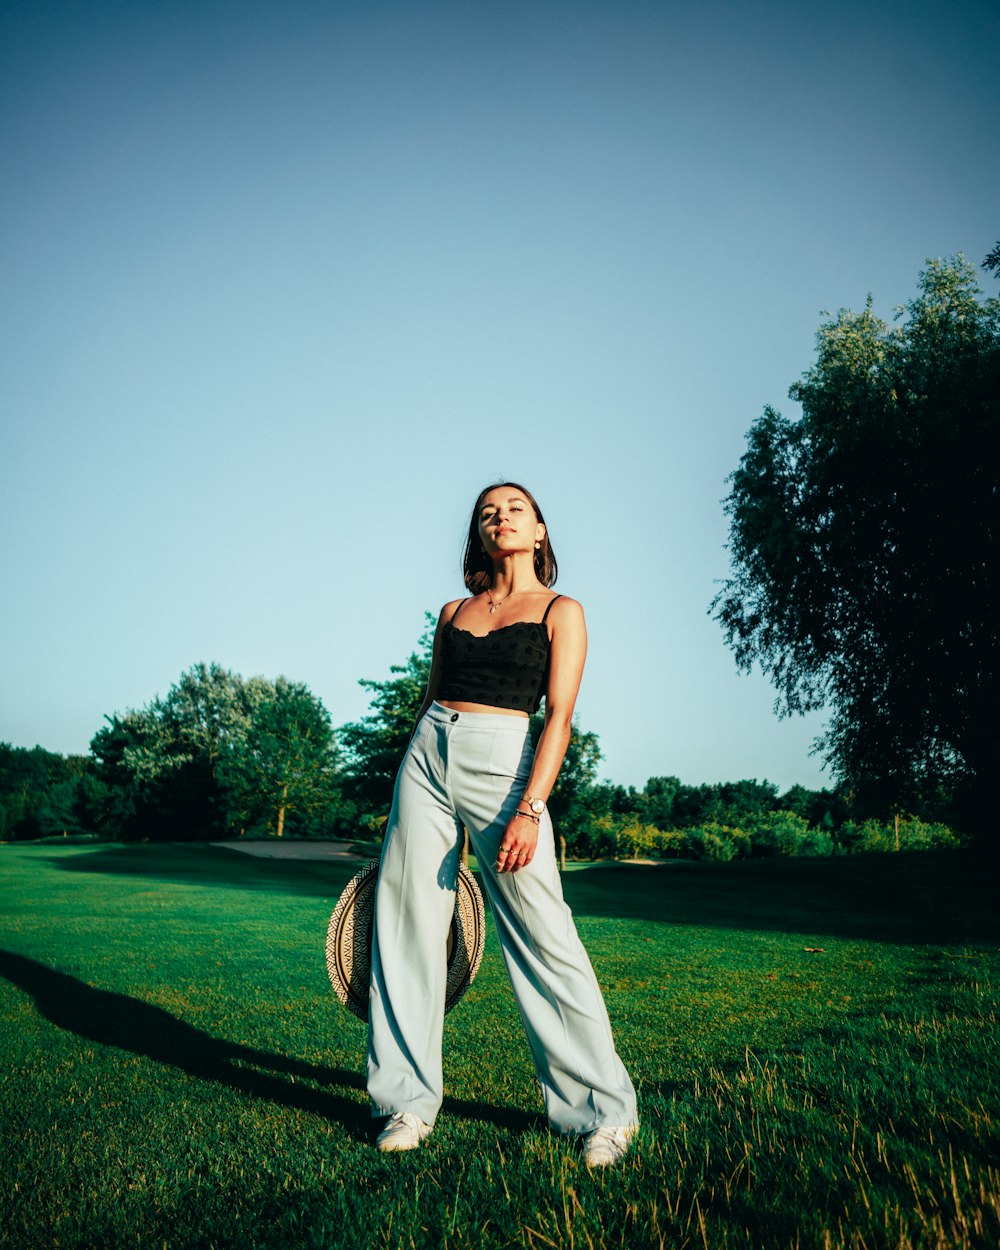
282	286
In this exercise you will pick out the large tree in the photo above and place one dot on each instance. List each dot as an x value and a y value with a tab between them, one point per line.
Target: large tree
284	764
864	544
40	792
159	766
221	753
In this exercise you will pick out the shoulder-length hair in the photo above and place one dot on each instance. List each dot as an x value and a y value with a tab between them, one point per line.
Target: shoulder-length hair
477	567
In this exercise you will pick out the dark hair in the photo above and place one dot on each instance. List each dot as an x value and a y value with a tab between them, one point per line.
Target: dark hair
477	567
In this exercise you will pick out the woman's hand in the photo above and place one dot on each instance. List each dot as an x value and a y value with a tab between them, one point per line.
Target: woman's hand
568	638
517	846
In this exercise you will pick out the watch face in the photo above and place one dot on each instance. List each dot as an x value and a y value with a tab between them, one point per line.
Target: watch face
537	806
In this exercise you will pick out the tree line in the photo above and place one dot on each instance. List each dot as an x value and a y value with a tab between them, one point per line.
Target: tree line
222	756
219	756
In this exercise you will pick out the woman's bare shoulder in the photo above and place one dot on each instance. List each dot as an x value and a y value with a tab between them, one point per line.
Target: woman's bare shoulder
565	610
449	610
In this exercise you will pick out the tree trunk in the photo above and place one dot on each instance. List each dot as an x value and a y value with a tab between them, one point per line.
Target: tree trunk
562	853
281	811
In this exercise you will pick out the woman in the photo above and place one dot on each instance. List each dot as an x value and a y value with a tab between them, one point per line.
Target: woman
470	763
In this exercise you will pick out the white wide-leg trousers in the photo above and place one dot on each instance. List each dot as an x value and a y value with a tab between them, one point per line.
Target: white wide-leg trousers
470	768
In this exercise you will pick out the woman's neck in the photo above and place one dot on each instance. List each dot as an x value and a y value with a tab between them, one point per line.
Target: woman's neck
512	575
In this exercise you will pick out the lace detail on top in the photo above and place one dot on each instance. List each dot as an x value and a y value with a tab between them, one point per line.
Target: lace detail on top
505	668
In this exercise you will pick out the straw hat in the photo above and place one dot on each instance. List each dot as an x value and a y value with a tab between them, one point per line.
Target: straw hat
349	939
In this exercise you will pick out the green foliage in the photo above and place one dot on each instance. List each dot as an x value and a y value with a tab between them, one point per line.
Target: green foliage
864	540
778	832
158	768
569	799
619	837
219	755
40	792
280	774
659	797
374	746
907	834
667	803
727	820
712	841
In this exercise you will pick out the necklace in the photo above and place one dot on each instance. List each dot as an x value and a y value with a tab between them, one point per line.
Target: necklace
498	603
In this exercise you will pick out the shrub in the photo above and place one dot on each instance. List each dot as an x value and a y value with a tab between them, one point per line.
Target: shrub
785	832
714	841
623	837
635	839
910	835
780	832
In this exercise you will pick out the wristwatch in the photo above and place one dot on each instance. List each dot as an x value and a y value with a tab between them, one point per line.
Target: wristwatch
536	805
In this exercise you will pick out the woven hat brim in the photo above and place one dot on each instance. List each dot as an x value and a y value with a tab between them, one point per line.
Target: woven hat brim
349	939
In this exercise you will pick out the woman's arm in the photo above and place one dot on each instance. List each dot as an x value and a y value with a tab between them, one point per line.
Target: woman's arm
434	677
566	657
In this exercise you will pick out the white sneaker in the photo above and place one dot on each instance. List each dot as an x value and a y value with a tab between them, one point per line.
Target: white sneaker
403	1131
607	1145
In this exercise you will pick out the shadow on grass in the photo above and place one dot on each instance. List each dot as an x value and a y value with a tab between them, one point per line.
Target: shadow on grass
200	863
932	897
919	897
117	1020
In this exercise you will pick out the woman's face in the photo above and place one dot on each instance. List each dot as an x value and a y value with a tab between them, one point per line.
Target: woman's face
507	522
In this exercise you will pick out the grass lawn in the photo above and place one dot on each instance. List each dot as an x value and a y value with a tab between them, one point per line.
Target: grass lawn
814	1043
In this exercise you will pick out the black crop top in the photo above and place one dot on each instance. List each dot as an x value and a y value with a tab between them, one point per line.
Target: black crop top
504	668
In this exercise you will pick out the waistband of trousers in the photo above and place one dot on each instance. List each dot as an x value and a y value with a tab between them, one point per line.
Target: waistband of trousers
495	722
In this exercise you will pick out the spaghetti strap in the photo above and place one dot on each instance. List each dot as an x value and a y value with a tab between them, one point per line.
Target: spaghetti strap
549	608
458	609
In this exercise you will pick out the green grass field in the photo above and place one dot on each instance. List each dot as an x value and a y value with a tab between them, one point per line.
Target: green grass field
814	1043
